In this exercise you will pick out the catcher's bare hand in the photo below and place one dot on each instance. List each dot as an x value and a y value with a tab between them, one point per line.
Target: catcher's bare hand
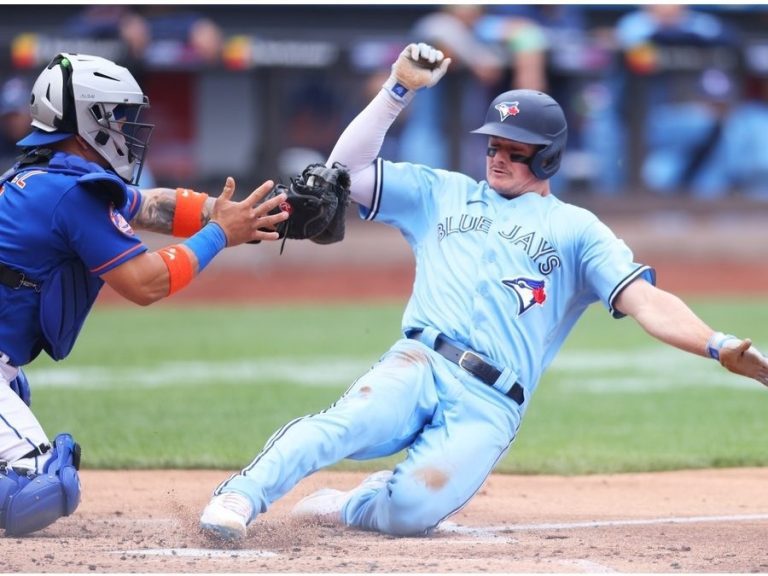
418	66
740	357
249	220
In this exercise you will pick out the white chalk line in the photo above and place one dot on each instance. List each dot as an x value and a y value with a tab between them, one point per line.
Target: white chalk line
199	553
478	534
616	523
590	371
587	566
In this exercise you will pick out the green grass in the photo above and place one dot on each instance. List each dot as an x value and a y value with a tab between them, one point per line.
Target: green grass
197	387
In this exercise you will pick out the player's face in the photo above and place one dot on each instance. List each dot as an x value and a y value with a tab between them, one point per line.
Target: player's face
506	167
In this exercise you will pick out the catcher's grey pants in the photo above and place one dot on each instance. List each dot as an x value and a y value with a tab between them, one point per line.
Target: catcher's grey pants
455	428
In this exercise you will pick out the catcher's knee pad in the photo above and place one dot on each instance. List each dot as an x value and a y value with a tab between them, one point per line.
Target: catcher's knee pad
20	385
32	502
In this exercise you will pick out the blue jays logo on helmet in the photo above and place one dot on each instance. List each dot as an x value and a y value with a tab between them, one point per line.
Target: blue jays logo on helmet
507	109
528	292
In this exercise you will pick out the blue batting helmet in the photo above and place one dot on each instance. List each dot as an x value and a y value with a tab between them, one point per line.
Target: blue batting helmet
531	117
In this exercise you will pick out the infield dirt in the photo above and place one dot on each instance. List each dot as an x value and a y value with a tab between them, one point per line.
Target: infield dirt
688	521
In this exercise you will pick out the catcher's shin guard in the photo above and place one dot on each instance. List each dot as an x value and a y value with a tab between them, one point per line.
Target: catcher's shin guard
31	502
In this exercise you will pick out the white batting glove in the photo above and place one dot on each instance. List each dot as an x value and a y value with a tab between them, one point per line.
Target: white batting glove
418	66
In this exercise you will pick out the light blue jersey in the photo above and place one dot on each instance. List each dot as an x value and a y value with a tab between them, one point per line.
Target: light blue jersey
499	285
508	278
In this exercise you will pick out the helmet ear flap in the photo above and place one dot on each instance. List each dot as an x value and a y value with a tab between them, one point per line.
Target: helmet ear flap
546	162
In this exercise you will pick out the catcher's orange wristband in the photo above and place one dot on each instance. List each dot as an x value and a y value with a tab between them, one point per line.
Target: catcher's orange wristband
187	218
180	267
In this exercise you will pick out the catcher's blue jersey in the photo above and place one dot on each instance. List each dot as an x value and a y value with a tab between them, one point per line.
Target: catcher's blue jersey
49	216
507	277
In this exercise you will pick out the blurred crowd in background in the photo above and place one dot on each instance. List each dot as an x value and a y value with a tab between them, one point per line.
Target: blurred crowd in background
666	100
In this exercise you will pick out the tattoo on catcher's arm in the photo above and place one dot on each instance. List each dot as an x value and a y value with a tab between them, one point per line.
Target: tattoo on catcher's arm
158	205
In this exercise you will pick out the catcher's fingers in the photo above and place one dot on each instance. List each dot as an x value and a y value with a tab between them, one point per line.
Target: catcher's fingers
270	221
267	206
229	189
260	235
257	195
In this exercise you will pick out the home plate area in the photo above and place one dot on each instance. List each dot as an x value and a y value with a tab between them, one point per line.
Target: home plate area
688	521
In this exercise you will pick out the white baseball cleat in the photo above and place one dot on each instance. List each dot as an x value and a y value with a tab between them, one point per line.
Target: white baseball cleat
227	516
326	504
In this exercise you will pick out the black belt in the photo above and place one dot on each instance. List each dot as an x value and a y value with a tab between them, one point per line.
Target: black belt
15	279
471	362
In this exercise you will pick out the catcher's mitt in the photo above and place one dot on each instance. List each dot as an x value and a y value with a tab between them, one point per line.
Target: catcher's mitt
316	201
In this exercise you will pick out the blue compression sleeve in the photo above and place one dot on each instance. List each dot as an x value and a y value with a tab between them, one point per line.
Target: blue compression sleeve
206	243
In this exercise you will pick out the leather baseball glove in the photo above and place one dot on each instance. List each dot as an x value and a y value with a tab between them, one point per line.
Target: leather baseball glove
317	200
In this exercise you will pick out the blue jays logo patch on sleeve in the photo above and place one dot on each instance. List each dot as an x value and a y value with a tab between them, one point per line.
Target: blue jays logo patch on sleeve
528	292
120	222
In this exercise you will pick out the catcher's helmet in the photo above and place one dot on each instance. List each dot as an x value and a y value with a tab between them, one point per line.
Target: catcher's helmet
530	117
97	99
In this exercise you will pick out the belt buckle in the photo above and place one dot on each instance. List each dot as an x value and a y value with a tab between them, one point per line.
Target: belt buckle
464	357
24	283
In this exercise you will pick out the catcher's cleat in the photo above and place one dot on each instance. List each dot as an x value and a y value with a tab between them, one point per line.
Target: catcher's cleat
227	516
326	504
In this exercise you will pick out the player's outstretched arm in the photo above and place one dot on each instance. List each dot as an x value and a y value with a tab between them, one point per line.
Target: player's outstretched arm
153	275
667	318
417	66
180	212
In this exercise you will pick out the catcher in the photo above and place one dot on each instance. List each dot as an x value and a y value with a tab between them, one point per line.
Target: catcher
69	208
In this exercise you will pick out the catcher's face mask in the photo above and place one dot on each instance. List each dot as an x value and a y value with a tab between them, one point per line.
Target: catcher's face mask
97	99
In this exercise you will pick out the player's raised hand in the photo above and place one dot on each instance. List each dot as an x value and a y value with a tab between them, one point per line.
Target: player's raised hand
740	357
418	66
249	220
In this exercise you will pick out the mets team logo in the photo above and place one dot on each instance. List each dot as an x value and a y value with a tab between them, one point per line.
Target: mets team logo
507	109
528	292
120	222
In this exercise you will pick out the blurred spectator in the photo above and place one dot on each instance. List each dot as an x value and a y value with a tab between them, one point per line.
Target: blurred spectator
438	117
528	32
452	30
312	125
686	141
102	22
488	56
688	110
200	37
14	118
746	138
554	51
165	33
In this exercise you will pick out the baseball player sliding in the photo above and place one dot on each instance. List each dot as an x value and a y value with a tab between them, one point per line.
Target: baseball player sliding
67	212
504	269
